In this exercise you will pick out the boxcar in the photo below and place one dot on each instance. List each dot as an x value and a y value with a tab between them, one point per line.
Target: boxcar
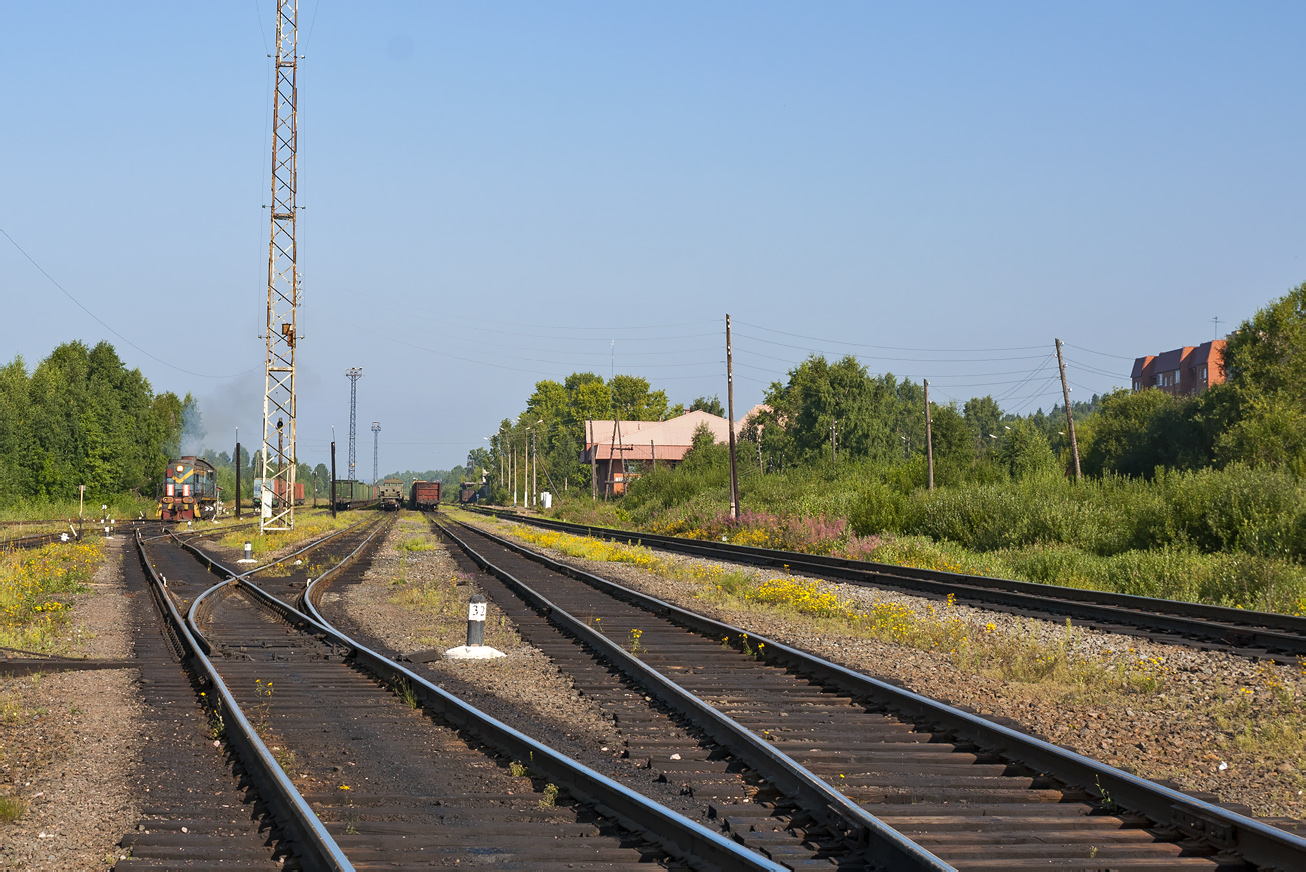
390	493
190	490
352	493
426	495
279	488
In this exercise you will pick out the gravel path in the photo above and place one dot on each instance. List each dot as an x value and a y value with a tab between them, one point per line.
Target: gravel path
67	740
1190	732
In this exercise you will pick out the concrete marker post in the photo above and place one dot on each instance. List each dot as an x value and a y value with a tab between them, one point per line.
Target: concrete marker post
476	610
475	649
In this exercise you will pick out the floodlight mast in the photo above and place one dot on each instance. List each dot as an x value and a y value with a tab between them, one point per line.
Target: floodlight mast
376	438
353	374
283	287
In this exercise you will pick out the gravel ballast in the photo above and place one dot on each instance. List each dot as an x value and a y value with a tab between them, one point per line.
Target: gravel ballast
1187	732
524	689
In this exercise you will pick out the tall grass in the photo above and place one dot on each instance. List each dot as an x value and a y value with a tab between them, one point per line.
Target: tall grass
37	589
1235	536
121	506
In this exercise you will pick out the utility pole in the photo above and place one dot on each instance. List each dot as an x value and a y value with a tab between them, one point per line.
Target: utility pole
1070	416
535	464
376	430
730	403
333	472
238	473
929	433
594	463
283	269
354	374
834	445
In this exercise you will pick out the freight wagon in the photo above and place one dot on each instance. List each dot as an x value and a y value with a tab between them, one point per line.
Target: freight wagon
390	493
426	495
279	488
350	494
190	490
467	492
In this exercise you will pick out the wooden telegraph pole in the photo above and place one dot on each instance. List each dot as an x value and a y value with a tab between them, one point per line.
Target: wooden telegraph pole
730	410
929	434
1070	416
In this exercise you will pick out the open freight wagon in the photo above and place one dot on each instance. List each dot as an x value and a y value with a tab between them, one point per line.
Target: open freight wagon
425	495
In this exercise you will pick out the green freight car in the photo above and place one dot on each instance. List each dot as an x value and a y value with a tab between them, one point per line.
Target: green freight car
352	494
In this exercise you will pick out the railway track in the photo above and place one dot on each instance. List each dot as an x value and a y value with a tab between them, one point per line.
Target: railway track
355	762
908	782
1263	635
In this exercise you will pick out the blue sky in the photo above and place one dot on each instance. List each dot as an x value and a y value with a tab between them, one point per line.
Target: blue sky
496	193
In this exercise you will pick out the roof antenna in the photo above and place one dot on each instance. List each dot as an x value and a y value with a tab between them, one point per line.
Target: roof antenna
1216	335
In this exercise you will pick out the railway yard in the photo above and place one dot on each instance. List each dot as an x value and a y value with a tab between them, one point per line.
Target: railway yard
650	708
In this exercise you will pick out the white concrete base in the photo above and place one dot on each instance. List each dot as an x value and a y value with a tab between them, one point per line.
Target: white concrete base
473	652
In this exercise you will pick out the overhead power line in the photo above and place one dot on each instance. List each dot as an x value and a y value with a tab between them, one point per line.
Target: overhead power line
889	347
102	323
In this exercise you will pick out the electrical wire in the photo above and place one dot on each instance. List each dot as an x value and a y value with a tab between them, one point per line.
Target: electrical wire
102	323
1102	353
444	317
899	359
886	347
1089	368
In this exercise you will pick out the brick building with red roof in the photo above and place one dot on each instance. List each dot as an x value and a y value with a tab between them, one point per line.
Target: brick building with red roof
1186	371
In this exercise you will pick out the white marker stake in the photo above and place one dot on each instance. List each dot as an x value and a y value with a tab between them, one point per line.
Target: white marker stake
476	621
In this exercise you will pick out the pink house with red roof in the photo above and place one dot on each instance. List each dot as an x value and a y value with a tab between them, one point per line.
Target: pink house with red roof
1186	371
610	446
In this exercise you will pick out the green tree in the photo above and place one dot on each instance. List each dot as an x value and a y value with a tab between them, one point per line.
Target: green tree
983	418
633	401
711	406
322	479
1135	433
1259	412
1024	451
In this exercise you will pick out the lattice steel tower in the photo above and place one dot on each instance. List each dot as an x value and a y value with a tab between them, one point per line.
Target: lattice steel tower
354	374
283	285
376	430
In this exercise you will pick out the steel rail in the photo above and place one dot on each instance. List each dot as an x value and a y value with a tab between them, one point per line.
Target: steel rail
1253	840
315	543
313	843
674	833
1237	628
880	843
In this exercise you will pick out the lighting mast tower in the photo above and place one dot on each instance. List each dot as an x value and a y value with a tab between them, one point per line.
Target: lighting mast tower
283	285
354	374
376	430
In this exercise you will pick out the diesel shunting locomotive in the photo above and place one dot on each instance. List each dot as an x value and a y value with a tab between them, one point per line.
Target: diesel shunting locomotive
190	490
